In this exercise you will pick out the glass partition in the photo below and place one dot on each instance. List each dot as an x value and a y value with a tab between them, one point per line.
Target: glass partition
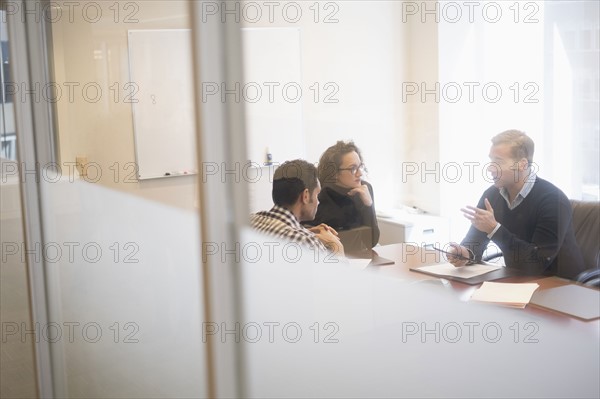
120	255
17	365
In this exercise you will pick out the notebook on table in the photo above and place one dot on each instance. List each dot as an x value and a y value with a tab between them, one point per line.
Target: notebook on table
380	260
376	260
573	300
449	272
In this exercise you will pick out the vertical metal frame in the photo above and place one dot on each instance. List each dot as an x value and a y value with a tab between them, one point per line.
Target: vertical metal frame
223	202
36	149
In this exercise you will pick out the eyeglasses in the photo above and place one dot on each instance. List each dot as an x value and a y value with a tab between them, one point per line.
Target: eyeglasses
355	169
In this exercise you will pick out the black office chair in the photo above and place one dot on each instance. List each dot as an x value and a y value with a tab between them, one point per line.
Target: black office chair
489	257
586	225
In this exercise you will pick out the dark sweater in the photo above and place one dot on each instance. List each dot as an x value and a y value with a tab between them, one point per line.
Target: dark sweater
537	236
343	212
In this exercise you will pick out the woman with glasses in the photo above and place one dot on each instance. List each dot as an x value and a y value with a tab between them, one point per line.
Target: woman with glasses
345	200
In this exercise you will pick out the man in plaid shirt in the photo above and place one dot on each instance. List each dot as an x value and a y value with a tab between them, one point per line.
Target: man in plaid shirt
295	191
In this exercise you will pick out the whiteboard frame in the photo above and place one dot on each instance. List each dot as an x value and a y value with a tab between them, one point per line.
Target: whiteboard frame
188	171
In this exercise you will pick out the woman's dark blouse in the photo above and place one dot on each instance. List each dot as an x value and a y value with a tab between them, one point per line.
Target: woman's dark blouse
342	211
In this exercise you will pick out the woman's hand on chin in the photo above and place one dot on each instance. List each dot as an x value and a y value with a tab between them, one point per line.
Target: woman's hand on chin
363	193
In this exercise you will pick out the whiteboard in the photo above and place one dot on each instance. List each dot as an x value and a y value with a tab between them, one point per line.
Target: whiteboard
273	120
160	67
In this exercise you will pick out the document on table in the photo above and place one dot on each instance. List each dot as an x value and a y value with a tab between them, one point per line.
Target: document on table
515	295
448	269
575	300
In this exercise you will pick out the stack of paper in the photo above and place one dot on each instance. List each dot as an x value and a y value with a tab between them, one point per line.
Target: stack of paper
515	295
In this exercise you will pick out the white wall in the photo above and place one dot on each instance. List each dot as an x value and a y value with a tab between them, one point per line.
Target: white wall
421	144
363	53
96	53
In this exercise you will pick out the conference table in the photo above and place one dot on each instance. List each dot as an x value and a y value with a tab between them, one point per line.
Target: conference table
407	256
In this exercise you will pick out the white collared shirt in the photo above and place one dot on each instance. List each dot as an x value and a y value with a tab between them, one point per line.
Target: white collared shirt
525	190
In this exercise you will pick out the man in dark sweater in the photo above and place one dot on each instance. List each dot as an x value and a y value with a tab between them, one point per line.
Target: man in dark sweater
527	217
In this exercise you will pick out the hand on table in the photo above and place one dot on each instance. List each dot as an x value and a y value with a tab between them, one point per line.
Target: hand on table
317	229
329	237
461	251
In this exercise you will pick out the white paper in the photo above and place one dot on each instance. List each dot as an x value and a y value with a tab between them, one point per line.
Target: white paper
448	269
511	294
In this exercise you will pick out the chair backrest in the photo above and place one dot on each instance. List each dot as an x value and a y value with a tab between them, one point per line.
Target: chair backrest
356	240
586	225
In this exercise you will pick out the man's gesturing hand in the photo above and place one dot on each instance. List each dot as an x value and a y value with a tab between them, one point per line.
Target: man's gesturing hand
482	219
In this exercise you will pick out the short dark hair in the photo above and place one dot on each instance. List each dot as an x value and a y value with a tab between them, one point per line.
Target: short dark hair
522	146
290	179
331	160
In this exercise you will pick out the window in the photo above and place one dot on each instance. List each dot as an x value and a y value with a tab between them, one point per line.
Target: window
7	124
572	33
545	60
